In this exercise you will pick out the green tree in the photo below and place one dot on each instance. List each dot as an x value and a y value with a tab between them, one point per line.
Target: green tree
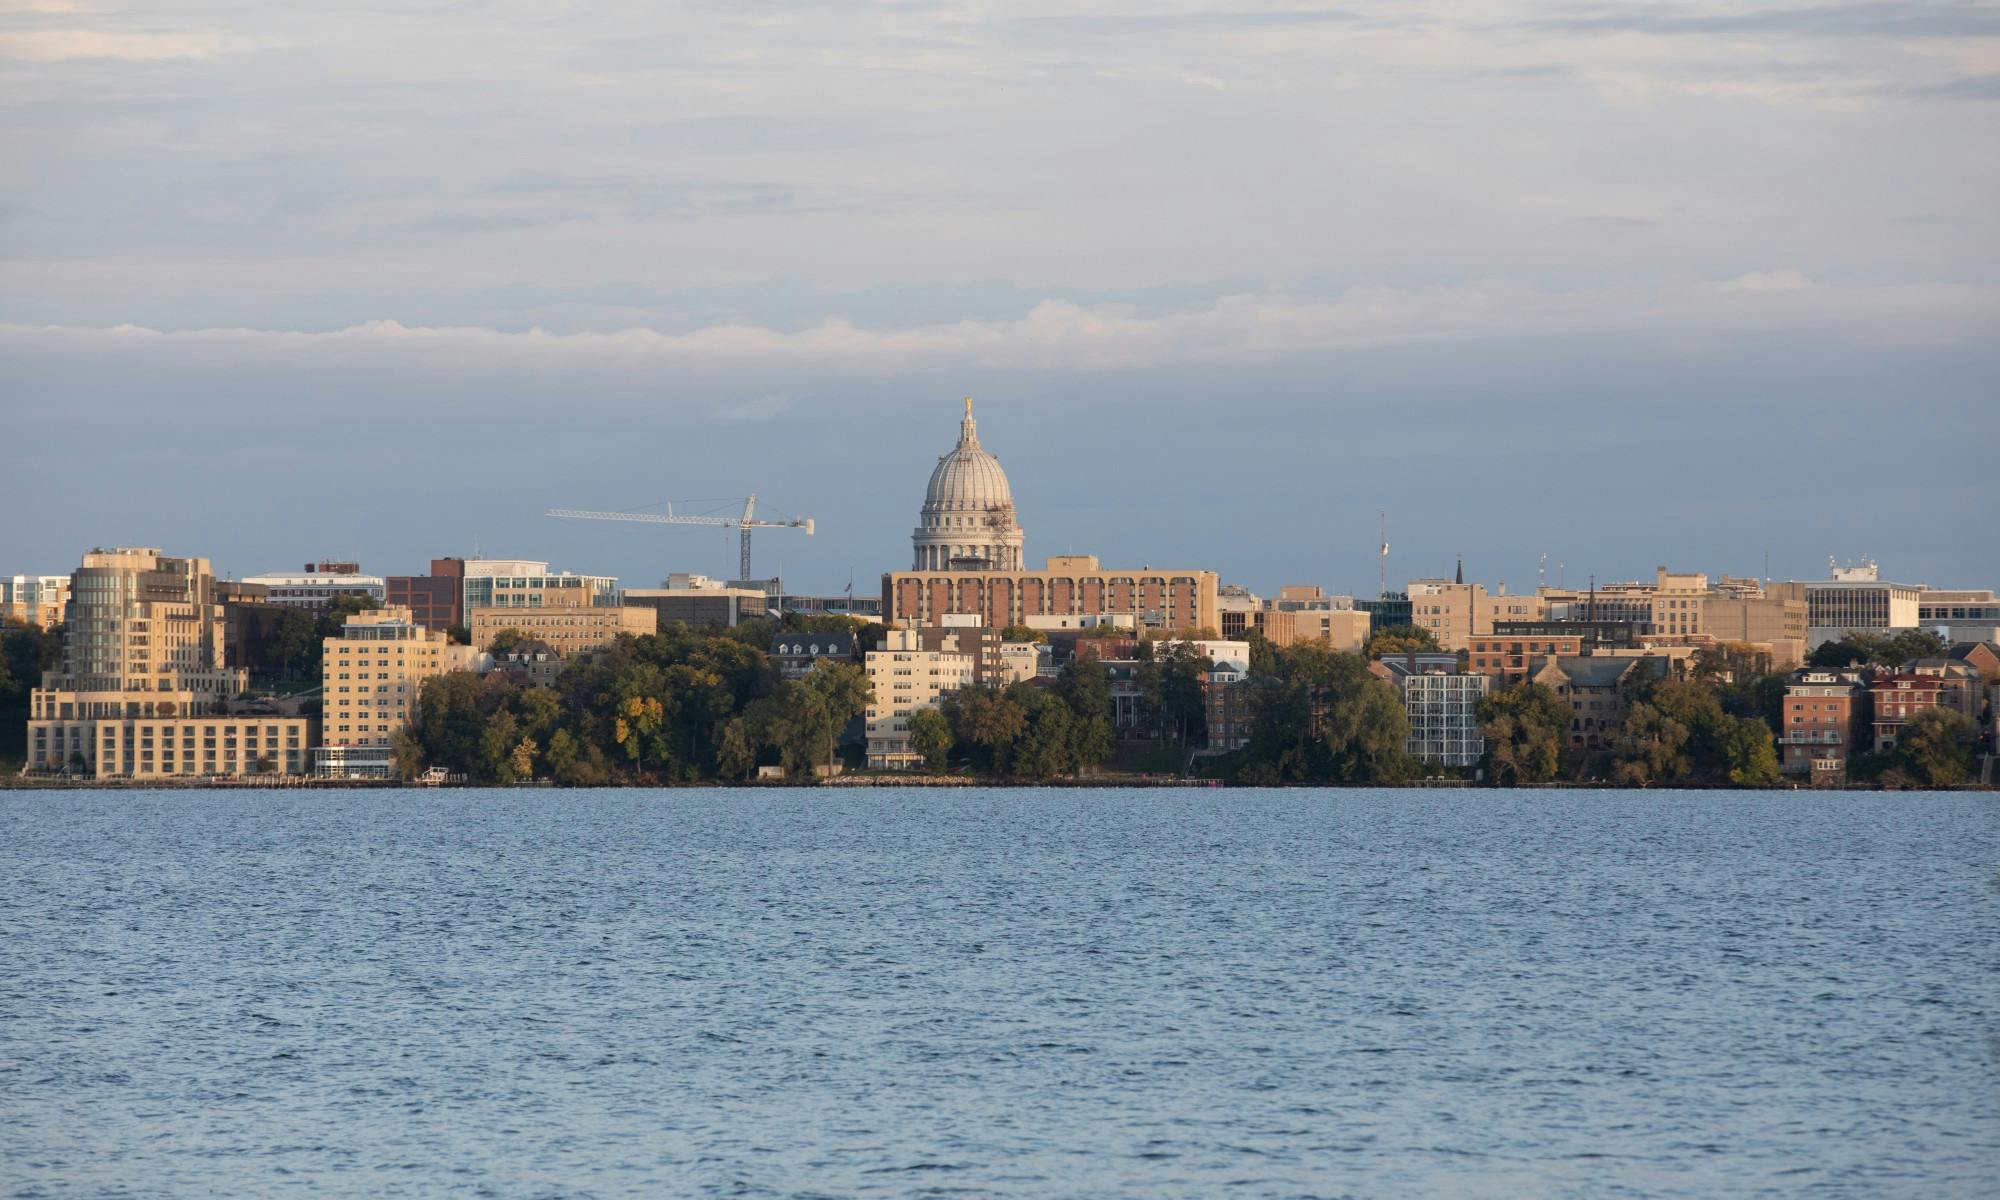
1399	639
1651	747
1934	749
1171	700
988	722
1022	633
506	640
1524	727
1751	754
406	754
930	736
1325	718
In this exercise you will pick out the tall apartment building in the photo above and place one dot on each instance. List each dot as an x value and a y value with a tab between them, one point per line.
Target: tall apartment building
903	677
372	679
34	599
143	692
1442	703
315	585
1826	722
1071	585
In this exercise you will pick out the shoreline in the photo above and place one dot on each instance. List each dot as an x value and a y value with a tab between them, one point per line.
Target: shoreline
939	782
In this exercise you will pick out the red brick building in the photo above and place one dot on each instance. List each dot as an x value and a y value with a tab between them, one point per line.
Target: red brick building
1826	722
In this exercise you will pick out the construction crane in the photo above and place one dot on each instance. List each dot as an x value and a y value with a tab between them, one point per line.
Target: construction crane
747	522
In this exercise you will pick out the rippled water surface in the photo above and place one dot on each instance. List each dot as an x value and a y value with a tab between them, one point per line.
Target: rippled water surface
1033	993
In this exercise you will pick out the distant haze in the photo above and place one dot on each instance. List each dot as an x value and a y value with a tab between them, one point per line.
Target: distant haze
1626	284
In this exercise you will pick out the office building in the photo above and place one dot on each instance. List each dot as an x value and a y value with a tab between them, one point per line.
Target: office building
1858	600
700	602
315	585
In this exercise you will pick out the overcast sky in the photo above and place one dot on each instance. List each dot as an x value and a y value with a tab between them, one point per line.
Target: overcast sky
1627	284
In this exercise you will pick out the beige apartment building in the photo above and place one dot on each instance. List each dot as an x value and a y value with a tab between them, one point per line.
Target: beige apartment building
372	678
36	600
903	677
142	692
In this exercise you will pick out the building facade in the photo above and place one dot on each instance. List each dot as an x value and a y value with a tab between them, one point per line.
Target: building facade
569	629
1595	688
315	585
436	600
1858	600
700	602
1897	695
1826	723
143	691
36	600
1443	706
903	677
371	680
1070	586
967	521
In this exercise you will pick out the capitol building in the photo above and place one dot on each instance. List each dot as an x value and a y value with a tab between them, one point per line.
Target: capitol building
969	563
968	521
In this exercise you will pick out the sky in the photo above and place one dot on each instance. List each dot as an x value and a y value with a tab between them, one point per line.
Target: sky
1707	285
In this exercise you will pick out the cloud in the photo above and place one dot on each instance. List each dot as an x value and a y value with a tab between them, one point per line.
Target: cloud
1063	335
59	45
761	408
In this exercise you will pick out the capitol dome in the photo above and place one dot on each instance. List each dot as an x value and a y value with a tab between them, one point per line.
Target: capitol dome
967	521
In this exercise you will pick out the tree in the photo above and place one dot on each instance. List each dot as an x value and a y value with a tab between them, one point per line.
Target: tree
506	640
1171	700
1751	754
297	642
522	759
1022	633
406	754
1399	639
930	736
1523	726
1651	747
987	721
1324	717
1933	750
1880	649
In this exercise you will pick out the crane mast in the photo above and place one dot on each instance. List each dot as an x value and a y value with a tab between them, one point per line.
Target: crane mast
743	524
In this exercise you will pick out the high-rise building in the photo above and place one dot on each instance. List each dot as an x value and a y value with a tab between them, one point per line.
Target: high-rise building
372	679
903	677
143	691
1442	703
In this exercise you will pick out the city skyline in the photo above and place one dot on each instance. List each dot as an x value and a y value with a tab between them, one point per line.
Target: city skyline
1623	286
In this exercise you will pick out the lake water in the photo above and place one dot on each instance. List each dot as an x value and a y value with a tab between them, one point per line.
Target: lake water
999	993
